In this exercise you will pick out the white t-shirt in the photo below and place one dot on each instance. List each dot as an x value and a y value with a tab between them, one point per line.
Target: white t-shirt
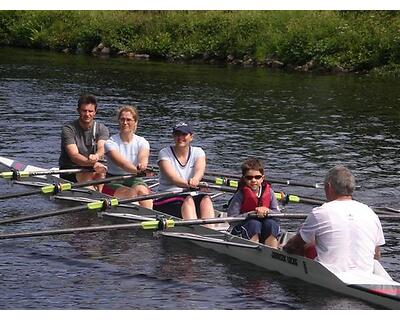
186	171
345	233
129	151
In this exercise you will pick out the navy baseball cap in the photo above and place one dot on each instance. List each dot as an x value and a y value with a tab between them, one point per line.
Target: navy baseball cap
183	127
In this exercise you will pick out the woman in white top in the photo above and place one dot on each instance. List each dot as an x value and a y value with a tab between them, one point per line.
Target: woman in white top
182	166
127	153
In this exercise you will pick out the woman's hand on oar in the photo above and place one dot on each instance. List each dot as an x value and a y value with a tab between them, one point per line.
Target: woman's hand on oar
52	189
94	206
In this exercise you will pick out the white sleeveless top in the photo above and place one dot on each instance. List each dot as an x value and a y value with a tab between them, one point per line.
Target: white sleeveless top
186	171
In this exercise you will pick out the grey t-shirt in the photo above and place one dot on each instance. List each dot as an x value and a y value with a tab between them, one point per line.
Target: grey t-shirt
73	133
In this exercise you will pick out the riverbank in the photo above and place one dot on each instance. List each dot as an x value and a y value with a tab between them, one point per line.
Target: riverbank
305	41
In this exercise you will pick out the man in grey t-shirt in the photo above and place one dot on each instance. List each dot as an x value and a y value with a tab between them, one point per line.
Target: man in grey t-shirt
82	142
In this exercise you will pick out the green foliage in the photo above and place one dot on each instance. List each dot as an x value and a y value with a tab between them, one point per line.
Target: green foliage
350	40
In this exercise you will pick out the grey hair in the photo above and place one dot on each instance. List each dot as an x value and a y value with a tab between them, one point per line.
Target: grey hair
341	180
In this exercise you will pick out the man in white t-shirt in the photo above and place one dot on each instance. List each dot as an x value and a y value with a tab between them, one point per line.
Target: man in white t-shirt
346	233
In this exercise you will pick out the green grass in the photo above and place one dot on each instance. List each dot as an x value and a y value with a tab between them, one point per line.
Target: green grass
354	41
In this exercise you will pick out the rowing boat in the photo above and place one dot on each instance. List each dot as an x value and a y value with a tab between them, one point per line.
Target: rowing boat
377	288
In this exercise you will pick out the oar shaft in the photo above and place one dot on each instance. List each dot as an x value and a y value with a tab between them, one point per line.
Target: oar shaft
318	201
94	206
298	199
279	195
16	174
150	225
68	231
54	188
216	187
101	181
58	171
226	178
19	194
147	225
44	214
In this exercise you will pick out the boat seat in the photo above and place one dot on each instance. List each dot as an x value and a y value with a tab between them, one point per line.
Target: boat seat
284	238
223	226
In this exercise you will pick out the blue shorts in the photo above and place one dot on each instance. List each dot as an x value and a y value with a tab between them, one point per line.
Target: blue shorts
263	227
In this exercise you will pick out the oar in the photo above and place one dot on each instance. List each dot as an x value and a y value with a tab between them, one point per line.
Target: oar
226	179
286	198
280	196
159	224
58	187
95	205
318	201
16	174
388	209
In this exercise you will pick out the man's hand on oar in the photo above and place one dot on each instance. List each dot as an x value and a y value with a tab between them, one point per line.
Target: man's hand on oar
52	189
95	206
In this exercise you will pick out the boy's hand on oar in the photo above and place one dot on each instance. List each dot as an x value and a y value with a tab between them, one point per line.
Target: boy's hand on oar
262	212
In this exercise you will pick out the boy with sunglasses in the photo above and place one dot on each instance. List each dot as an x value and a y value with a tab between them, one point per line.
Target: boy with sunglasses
255	194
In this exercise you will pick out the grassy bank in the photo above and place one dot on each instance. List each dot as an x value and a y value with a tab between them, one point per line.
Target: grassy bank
302	40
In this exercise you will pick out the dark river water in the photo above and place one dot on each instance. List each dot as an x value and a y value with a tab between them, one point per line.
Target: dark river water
299	124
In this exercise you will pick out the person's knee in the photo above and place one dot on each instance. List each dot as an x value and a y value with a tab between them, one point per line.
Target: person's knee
141	190
206	202
188	201
206	207
271	227
253	226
